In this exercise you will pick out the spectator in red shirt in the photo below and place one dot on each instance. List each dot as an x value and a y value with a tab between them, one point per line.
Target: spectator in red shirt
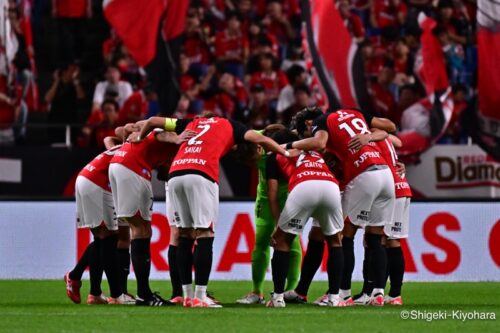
71	16
229	98
387	13
134	109
196	44
257	36
272	80
101	123
231	46
384	102
351	20
278	25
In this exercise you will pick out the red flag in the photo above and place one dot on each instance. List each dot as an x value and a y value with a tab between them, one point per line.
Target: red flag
483	122
336	55
431	66
137	24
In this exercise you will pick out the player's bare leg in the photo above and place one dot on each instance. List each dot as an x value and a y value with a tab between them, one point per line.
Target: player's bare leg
396	269
378	263
348	234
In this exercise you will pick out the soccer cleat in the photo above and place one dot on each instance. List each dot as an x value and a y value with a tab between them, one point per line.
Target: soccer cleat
187	302
322	300
393	300
154	300
362	299
291	296
210	299
348	301
73	289
176	300
129	298
123	299
276	301
97	300
251	298
335	301
377	300
198	303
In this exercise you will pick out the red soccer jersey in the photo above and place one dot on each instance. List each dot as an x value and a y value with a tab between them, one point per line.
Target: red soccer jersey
146	155
97	170
389	153
307	166
201	154
341	126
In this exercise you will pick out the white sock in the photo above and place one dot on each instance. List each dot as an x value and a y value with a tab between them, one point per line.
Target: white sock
187	290
278	296
344	293
200	292
377	291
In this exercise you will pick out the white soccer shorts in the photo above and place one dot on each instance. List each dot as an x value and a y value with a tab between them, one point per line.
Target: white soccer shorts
170	210
400	225
194	200
319	199
131	192
369	198
94	205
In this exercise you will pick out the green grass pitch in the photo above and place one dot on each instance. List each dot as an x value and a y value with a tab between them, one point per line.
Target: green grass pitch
42	306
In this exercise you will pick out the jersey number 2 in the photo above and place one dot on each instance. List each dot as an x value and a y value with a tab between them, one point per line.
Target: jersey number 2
194	140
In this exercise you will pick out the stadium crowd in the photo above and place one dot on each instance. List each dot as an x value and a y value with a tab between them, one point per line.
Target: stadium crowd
241	59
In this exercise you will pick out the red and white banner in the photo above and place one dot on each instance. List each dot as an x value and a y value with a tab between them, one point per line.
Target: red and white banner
455	171
448	242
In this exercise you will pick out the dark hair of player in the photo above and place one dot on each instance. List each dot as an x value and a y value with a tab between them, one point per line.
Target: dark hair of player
272	128
299	121
284	136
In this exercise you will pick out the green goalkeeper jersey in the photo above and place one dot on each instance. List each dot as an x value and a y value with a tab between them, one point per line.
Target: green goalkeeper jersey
262	198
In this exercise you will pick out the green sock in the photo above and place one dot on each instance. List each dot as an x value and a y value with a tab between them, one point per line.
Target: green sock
293	276
261	253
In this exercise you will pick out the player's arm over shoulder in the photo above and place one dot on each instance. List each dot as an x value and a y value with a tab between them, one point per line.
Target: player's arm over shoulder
242	133
319	139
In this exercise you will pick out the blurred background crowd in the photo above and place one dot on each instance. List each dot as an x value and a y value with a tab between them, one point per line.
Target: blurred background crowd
65	76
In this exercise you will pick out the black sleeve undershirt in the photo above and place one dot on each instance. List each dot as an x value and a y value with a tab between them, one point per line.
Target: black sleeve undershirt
239	131
272	169
180	125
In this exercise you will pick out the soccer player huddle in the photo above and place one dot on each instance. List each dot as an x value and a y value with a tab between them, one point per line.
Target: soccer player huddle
338	168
